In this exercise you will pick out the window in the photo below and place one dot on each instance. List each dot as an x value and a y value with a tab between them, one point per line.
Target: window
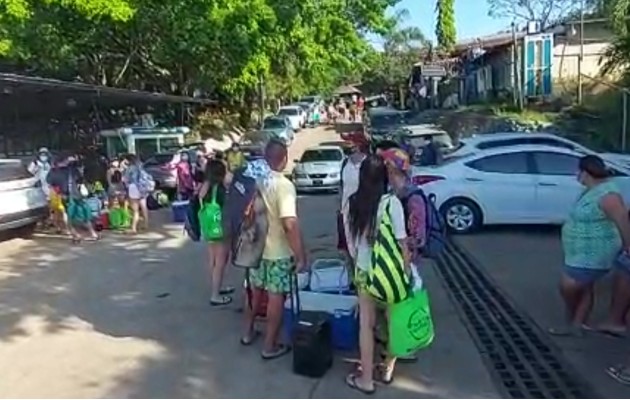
159	159
513	163
13	171
274	123
145	148
169	144
555	163
321	155
288	111
492	144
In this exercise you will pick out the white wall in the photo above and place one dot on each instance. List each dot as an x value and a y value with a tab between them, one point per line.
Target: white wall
565	62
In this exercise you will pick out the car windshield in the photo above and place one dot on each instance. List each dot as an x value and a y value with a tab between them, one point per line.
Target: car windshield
288	111
274	123
159	159
388	121
321	155
307	99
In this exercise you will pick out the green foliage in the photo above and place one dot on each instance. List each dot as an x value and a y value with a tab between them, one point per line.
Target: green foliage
445	28
390	68
221	47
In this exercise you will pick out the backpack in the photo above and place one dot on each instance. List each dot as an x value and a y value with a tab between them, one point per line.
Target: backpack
387	280
245	223
146	184
191	223
435	235
211	218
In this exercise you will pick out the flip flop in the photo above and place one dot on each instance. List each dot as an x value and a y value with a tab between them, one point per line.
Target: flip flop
248	340
618	332
351	381
620	373
277	353
227	290
225	300
569	331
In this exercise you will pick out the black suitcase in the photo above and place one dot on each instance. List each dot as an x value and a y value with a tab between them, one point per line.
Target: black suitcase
311	339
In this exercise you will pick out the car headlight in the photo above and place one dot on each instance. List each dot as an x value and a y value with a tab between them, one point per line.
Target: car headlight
300	176
335	175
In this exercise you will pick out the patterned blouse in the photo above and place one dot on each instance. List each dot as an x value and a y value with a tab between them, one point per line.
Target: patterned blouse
589	238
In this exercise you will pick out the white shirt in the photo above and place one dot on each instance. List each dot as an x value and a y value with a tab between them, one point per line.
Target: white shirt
350	179
359	248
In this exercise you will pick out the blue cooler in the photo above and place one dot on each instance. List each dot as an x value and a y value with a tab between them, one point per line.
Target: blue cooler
180	209
343	313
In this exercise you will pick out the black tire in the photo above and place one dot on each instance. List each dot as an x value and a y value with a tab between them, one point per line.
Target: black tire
471	215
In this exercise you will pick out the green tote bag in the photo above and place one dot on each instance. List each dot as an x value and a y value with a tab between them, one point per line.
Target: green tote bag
410	324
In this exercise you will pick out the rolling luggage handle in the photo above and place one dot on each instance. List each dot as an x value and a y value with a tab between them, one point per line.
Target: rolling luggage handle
294	301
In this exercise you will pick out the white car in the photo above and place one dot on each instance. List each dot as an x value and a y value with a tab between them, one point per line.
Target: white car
23	201
527	184
495	140
294	114
319	169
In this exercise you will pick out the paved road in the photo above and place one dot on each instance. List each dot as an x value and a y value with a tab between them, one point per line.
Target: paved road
129	317
526	263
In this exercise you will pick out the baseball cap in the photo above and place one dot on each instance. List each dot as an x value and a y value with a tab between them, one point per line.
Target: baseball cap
397	158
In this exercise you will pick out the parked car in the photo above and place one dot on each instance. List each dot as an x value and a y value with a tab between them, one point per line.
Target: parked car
319	169
23	201
279	127
346	146
163	167
295	114
495	140
382	121
312	100
527	184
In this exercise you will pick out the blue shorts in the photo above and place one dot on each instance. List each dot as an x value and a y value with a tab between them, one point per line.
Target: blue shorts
622	263
584	275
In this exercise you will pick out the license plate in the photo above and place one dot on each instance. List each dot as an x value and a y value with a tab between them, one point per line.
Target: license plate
318	182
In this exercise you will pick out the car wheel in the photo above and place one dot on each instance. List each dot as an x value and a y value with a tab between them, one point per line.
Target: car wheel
461	215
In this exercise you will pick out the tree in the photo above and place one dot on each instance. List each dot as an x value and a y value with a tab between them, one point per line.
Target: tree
546	12
445	29
390	68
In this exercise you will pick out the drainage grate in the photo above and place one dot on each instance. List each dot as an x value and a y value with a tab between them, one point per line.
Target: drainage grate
521	359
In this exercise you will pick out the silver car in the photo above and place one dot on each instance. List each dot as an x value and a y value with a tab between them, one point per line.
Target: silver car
319	169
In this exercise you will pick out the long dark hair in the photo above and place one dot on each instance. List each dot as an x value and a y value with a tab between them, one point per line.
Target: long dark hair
215	176
363	204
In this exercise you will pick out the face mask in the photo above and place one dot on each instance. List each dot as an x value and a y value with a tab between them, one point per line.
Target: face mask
43	158
185	159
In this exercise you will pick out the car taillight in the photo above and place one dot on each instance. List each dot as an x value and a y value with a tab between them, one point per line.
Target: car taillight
419	180
168	167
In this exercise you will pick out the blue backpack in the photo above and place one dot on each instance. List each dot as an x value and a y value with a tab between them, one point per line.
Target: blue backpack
435	225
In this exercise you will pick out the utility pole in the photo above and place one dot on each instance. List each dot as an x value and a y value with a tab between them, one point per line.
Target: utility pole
581	56
261	98
517	70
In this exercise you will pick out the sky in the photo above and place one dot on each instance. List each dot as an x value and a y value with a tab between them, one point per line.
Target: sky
471	17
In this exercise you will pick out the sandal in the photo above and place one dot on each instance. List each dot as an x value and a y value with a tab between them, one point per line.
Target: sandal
351	381
248	340
383	374
223	301
277	353
611	330
620	373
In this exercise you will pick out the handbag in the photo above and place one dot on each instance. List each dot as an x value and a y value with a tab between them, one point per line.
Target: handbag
410	324
387	280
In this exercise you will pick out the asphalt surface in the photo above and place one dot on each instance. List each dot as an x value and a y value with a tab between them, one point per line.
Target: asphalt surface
129	317
525	263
